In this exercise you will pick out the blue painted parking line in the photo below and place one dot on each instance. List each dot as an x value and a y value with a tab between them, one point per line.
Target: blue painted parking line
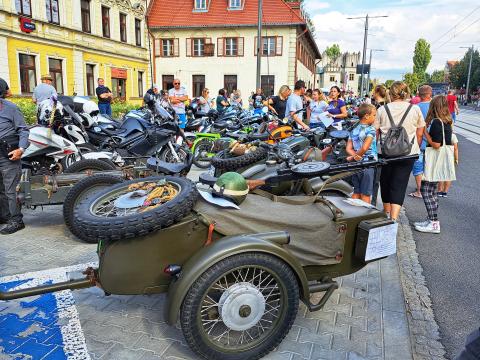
43	327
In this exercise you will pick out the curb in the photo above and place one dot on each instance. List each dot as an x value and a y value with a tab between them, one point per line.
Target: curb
424	331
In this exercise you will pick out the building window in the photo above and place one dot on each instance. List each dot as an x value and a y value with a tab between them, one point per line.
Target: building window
200	4
198	82
332	78
119	88
231	47
90	71
138	32
123	27
167	47
167	82
52	11
267	84
270	45
85	6
230	83
351	77
140	83
56	72
23	7
235	4
28	76
106	21
198	47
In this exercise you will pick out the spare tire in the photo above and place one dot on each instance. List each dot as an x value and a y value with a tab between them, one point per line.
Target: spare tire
80	192
222	162
119	212
89	164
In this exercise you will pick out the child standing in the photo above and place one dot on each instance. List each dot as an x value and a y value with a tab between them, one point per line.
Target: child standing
361	146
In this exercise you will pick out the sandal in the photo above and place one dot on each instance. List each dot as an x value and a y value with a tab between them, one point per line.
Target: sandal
415	195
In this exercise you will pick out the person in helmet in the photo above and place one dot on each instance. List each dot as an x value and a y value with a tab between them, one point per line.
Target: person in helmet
231	186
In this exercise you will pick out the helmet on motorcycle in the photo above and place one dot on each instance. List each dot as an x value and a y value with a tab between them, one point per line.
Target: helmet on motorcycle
90	107
231	186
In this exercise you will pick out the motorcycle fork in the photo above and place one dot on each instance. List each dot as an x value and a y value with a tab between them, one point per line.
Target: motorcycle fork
172	149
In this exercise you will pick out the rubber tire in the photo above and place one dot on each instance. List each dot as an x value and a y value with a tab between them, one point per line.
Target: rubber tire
125	227
163	154
89	164
74	197
192	302
195	160
238	162
68	160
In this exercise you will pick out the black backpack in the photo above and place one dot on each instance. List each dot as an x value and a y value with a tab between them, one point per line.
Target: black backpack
395	142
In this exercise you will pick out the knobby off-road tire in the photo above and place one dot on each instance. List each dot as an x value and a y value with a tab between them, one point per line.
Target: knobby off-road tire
206	145
89	164
113	228
81	191
224	163
199	312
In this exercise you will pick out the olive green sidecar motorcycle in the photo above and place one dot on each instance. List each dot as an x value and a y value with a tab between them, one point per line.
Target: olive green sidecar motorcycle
234	277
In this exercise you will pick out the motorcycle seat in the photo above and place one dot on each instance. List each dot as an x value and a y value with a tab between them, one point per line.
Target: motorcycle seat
339	134
167	168
259	136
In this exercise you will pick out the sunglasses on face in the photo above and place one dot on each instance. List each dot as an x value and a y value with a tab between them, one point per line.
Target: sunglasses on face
176	83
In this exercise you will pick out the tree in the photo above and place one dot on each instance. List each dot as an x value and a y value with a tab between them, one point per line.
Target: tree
412	80
459	73
389	83
421	59
333	52
438	76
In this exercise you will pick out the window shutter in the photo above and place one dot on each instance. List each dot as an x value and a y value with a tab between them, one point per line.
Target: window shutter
220	46
158	47
189	47
255	46
240	42
208	40
176	48
278	45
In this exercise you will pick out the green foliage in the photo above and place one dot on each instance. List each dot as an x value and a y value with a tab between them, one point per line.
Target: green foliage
120	108
333	52
459	73
389	83
412	80
437	76
421	59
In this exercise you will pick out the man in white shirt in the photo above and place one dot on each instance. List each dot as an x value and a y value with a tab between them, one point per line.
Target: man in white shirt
178	95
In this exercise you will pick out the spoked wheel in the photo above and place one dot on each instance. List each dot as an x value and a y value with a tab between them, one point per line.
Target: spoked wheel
202	156
135	208
240	308
168	156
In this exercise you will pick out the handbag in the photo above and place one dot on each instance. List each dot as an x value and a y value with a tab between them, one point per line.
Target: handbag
440	163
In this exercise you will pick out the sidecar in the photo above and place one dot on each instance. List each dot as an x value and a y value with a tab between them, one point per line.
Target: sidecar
234	277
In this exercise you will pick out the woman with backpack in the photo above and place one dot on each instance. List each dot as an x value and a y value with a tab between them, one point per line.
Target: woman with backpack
400	126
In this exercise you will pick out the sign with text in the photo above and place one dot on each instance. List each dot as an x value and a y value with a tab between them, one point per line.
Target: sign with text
118	73
26	25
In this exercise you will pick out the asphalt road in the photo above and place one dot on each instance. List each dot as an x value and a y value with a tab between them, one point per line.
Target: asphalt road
451	259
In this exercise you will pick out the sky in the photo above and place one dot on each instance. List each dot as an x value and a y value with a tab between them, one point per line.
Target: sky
446	25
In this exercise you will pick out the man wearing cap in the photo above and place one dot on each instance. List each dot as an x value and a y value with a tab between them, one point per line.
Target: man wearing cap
105	96
151	96
13	142
45	90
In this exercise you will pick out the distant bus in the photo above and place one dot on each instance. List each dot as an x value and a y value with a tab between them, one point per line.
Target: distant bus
439	88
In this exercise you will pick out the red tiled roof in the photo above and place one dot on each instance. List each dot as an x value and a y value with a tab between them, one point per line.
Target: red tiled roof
180	14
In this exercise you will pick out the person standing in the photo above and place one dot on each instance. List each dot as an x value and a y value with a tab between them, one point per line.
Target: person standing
295	103
316	107
105	96
380	96
45	90
278	103
452	105
337	108
204	101
236	98
394	176
221	101
257	99
178	96
13	142
367	100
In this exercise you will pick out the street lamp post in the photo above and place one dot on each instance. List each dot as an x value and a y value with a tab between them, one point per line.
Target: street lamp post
370	69
469	71
365	37
259	42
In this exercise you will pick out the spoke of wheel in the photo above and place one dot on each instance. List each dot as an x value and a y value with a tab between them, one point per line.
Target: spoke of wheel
213	302
204	308
217	338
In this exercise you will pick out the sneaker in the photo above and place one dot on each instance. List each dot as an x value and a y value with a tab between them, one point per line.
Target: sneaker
445	194
12	227
421	223
431	227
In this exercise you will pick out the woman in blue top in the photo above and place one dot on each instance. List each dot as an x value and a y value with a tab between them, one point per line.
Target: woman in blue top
316	108
336	107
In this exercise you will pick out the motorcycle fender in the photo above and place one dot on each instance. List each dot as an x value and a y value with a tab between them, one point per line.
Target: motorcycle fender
339	186
206	135
96	155
217	251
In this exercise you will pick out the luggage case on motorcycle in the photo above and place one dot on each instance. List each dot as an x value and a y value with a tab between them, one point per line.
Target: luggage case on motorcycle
382	243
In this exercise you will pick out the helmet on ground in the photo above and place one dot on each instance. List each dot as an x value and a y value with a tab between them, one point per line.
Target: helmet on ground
231	186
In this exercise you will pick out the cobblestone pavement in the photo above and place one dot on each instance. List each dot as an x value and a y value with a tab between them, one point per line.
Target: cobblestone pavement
364	319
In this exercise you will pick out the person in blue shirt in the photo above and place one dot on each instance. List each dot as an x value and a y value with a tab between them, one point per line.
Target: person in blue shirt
362	146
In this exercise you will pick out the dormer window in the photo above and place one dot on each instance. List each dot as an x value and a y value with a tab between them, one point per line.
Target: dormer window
200	5
234	4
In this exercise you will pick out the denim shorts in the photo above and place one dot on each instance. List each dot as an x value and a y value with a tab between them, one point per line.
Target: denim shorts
182	121
418	165
363	182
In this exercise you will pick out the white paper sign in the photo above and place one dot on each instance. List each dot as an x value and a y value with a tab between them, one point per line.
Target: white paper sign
358	202
382	241
326	120
217	200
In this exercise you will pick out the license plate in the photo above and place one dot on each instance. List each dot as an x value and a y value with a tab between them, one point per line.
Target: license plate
211	170
382	241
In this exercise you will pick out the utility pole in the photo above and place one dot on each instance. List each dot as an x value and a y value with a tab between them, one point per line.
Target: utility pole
365	37
259	43
370	68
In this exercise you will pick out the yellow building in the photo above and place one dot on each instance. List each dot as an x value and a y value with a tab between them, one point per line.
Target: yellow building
76	41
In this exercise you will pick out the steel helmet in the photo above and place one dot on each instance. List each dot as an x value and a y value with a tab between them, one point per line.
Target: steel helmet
231	186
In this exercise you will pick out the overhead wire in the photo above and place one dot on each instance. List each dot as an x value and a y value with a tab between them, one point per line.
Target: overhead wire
455	35
454	26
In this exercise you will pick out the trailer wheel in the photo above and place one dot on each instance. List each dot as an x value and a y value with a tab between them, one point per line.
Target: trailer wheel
240	308
89	164
127	210
223	162
82	190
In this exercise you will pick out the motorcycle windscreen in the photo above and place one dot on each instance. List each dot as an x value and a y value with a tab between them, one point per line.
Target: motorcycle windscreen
315	239
162	112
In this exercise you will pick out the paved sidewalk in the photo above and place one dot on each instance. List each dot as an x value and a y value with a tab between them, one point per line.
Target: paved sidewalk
364	319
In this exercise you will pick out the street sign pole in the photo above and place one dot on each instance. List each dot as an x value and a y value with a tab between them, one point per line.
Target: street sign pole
370	68
362	75
469	72
259	42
